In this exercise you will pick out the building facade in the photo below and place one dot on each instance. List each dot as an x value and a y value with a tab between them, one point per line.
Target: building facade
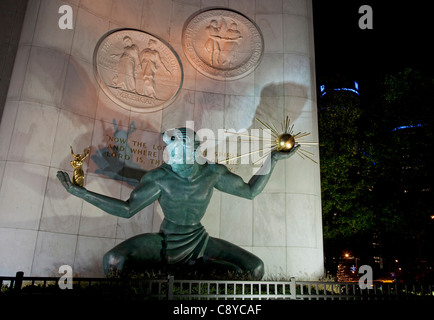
59	98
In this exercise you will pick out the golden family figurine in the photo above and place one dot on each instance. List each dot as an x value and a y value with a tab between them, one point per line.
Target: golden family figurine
77	164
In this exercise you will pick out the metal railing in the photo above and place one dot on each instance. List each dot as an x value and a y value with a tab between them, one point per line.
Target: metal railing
172	289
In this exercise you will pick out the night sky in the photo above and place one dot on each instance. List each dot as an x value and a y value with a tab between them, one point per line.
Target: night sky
401	37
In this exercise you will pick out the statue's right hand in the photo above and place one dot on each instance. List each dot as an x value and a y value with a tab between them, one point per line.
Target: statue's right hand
68	185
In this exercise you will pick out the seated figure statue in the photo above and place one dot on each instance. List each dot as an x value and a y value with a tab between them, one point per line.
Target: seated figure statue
184	188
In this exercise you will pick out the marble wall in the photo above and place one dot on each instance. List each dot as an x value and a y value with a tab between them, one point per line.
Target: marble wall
54	101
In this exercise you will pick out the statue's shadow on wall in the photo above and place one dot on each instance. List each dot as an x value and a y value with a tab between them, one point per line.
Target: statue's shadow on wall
115	161
277	101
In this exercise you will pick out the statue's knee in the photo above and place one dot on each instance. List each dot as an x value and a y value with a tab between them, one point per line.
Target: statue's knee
113	262
259	270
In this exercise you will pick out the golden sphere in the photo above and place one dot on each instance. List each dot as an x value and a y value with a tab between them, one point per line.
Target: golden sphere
285	142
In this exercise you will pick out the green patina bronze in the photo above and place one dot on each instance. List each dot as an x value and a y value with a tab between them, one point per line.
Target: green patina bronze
184	188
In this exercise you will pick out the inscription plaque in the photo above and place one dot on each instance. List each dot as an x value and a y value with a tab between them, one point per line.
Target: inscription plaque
137	70
222	44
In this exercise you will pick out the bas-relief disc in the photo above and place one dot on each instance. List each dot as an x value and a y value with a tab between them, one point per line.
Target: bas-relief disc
222	44
137	70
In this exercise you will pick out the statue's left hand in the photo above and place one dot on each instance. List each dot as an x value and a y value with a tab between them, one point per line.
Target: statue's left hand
280	155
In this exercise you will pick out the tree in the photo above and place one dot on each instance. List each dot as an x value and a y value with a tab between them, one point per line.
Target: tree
401	132
376	172
344	166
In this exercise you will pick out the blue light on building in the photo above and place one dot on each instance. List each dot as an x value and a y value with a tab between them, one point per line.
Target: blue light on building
355	89
408	127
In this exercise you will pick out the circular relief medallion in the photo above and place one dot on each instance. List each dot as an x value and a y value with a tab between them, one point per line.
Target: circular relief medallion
137	70
222	44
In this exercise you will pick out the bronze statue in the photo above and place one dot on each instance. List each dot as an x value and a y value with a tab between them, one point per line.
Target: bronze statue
184	188
77	164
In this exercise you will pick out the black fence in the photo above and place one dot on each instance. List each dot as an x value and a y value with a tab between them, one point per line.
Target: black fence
173	289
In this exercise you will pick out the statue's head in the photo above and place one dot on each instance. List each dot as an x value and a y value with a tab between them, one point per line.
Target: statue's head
181	148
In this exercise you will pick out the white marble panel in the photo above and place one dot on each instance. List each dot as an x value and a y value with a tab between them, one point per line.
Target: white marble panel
52	251
61	211
22	195
180	13
45	76
304	122
209	111
180	111
107	111
189	2
75	2
18	246
88	30
305	263
2	169
7	126
101	8
296	34
243	86
148	121
73	130
270	109
297	7
156	17
128	13
278	178
206	84
32	142
303	215
215	3
247	7
269	223
47	31
269	6
298	76
105	139
147	148
29	23
272	29
236	220
89	254
270	73
189	72
19	72
274	259
81	89
302	175
295	106
239	112
94	221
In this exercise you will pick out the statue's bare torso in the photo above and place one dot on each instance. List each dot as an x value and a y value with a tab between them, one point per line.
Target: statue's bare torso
185	201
